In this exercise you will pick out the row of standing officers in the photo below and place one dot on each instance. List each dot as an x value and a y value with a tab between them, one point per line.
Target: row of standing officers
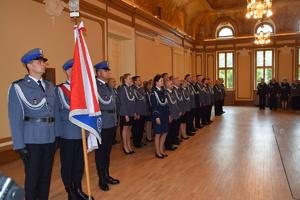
39	121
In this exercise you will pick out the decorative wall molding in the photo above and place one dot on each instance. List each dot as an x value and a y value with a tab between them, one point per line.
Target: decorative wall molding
54	8
156	40
244	52
285	50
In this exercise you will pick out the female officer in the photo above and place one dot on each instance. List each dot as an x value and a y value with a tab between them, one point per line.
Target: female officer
160	115
127	111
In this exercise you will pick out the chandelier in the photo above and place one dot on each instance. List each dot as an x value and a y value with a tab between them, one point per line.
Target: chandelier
258	8
262	37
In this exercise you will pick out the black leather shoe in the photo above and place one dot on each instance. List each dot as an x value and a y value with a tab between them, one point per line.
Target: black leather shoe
171	148
164	155
79	193
205	123
143	144
185	138
109	179
132	152
149	140
138	146
200	127
101	183
211	121
194	130
160	157
126	152
115	142
176	143
190	134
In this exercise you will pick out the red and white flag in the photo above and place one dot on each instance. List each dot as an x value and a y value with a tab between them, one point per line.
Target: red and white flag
84	107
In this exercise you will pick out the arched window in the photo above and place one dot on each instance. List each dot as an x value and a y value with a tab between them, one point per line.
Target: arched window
264	26
224	30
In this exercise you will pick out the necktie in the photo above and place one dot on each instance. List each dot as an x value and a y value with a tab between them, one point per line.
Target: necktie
107	85
40	84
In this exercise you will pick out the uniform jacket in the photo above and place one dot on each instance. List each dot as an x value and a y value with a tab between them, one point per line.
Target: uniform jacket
202	92
107	101
179	98
196	93
63	126
26	98
127	100
295	89
262	89
218	95
191	90
206	95
273	88
223	90
285	88
140	100
172	104
186	99
159	104
211	92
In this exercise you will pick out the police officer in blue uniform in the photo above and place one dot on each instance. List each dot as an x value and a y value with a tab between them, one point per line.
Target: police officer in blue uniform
175	114
31	117
107	102
160	116
141	111
71	150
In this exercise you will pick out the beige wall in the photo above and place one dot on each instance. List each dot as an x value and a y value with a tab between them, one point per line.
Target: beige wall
243	75
152	59
26	25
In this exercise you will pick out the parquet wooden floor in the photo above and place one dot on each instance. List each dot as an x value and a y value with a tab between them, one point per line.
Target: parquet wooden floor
234	158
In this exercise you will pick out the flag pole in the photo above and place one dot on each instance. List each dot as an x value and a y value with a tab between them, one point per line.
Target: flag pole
86	164
74	13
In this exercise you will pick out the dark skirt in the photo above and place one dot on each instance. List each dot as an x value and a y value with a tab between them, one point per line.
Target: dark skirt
160	129
123	121
284	97
148	118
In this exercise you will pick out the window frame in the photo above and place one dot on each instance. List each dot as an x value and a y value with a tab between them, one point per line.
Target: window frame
226	68
224	37
264	67
298	64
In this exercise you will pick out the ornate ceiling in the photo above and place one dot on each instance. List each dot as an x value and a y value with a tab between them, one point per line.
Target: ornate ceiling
199	18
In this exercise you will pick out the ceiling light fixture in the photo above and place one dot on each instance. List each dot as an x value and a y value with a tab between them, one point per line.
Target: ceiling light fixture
258	8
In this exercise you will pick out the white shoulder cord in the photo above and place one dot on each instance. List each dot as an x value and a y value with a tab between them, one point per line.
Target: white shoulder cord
25	101
219	90
195	92
62	98
130	99
189	90
136	92
158	100
179	99
171	101
103	101
186	98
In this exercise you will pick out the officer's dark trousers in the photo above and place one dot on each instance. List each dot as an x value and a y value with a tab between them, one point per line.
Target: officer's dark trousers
206	117
296	102
138	130
198	116
222	104
173	133
273	101
218	107
190	123
102	154
262	101
72	161
38	171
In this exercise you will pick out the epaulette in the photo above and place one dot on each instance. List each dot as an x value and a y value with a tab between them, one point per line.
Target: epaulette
18	80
